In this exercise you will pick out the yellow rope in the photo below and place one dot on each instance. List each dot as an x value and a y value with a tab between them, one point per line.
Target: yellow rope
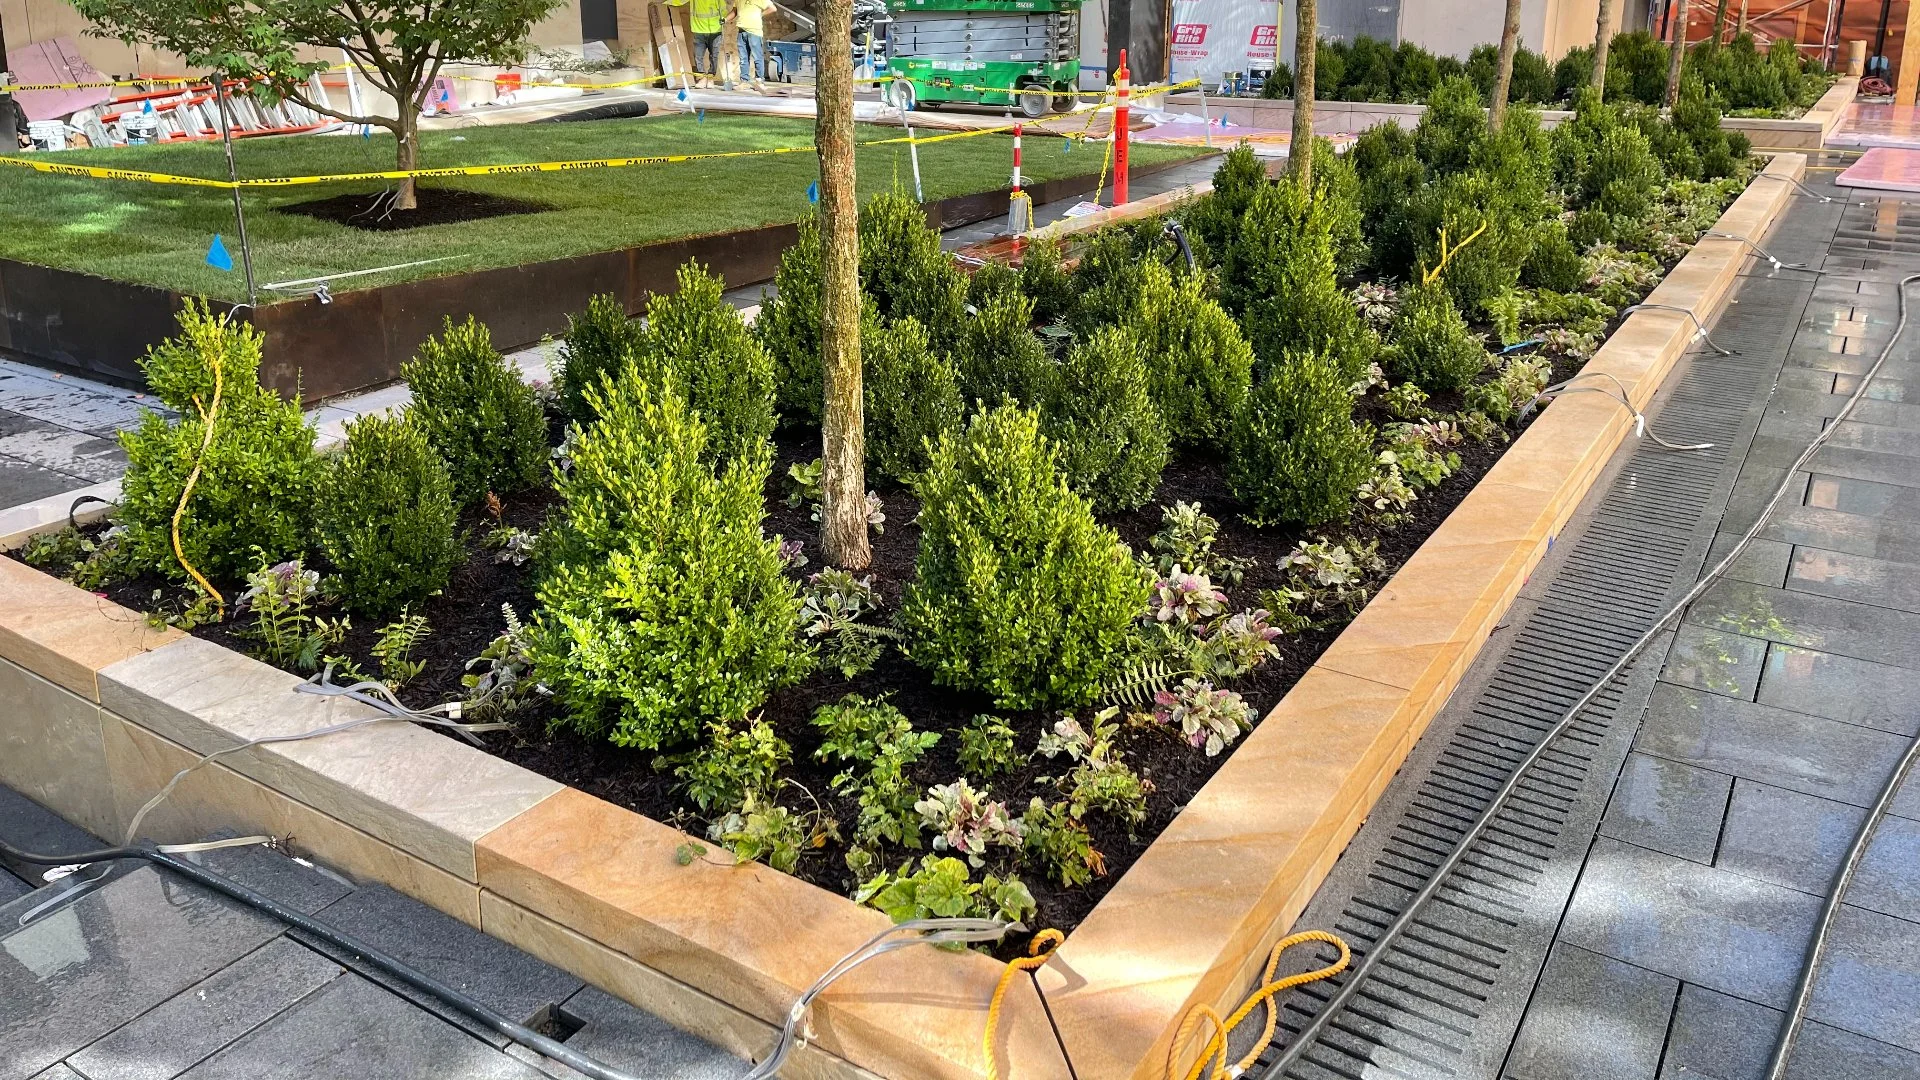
1216	1046
1447	253
1049	939
208	415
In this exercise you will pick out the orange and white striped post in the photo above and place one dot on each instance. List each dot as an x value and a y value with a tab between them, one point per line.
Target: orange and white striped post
1019	207
1120	96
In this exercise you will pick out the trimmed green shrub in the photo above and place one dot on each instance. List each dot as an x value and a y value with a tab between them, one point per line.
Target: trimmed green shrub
912	395
663	606
1296	455
1112	440
990	281
1367	74
258	474
1572	72
1623	178
904	270
1415	73
1337	186
1452	130
385	516
1000	358
1044	278
698	341
1533	74
598	343
1018	592
1553	263
1637	67
1280	274
1431	345
476	413
789	327
1390	179
1198	364
1213	218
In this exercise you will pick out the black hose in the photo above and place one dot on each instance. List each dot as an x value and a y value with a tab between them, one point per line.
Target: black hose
357	951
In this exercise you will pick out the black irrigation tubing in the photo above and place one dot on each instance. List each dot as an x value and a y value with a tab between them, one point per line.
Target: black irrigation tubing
1311	1033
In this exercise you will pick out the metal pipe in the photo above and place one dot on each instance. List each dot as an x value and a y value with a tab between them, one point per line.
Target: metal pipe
233	174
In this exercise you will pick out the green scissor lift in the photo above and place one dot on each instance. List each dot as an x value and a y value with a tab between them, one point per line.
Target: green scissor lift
985	52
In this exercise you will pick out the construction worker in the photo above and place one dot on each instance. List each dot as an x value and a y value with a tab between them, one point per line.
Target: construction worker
708	20
753	42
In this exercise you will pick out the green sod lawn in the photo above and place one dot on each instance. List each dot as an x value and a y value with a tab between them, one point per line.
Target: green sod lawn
158	235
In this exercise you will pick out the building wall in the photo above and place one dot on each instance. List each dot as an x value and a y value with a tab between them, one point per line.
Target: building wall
32	21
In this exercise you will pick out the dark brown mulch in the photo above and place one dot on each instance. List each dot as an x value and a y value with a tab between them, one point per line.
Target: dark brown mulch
467	616
437	206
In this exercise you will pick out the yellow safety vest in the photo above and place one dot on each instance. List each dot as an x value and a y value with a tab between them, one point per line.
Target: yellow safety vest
707	14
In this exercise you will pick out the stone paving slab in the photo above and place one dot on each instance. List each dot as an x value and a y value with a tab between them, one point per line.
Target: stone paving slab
1668	806
1817	622
1593	1018
1898	502
72	977
1718	1037
1697	923
1716	661
1841	530
615	1032
1870	979
1764	562
1861	578
1802	753
352	1028
1842	688
201	1020
488	969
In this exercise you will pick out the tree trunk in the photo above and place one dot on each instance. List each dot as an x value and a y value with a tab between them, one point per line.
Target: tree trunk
406	156
1306	39
1602	38
843	482
1503	76
1719	20
1679	54
1740	25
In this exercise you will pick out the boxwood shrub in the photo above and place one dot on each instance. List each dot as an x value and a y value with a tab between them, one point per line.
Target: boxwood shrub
696	340
912	395
1000	358
663	606
385	516
599	342
1199	365
1279	273
1431	345
1297	457
1111	437
476	413
789	326
256	484
1018	593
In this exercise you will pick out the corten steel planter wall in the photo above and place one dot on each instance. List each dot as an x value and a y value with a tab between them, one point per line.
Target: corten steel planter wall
102	327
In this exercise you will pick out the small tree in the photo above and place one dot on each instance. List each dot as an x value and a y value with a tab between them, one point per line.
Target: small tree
399	45
843	484
1306	41
1503	77
1602	37
1679	54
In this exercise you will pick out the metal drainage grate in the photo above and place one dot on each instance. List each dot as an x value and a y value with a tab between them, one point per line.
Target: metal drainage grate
1446	1001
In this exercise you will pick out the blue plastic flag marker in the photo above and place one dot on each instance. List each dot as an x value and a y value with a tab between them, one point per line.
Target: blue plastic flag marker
147	107
813	192
703	116
217	256
682	95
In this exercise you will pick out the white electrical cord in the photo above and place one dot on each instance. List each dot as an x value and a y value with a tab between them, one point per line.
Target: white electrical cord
1640	428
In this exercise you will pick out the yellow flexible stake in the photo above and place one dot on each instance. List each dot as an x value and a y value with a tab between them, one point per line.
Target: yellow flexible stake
208	416
1216	1046
1447	253
1049	939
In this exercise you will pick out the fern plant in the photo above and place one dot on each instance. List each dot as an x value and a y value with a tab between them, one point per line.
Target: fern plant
394	646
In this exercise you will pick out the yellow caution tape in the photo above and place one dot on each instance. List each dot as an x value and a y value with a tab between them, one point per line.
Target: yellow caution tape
96	172
99	173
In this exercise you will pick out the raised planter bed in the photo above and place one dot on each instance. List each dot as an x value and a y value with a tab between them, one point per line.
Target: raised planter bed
1807	132
109	708
102	327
